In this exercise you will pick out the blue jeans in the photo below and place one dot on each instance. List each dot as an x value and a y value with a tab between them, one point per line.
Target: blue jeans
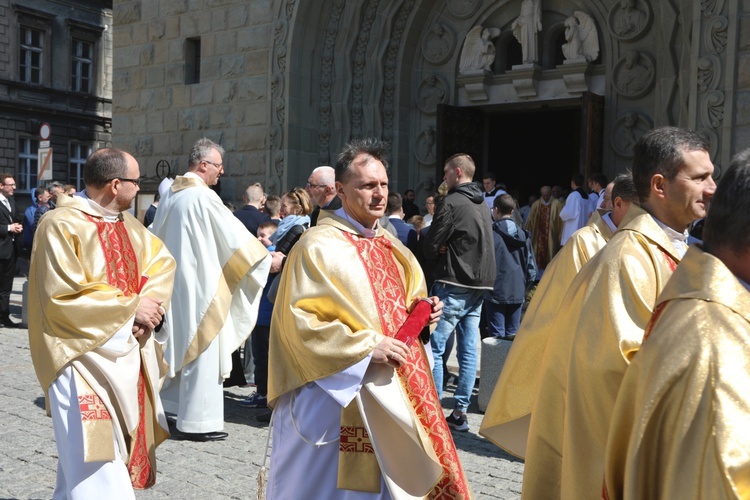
461	309
502	319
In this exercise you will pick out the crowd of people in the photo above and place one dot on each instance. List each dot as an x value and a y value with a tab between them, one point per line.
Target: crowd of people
341	301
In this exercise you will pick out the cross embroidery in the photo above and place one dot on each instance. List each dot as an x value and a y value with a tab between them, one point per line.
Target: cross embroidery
92	408
355	439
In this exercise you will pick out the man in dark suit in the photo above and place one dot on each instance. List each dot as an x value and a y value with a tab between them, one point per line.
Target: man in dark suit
9	228
405	232
250	215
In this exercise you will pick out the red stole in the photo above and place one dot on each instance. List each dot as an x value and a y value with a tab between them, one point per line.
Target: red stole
387	286
122	272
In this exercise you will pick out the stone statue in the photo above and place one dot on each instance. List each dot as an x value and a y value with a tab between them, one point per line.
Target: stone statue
582	38
629	19
478	52
525	28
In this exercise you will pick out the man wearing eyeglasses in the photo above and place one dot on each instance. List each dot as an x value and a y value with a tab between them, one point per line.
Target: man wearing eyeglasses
98	286
9	229
320	187
221	272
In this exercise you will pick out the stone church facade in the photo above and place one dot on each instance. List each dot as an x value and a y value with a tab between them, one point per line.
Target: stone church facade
283	84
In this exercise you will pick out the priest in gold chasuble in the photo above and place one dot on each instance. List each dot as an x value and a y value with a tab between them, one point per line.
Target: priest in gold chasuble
546	226
356	412
99	284
506	421
603	316
681	423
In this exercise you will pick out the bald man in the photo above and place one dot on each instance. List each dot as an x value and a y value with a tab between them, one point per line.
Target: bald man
321	188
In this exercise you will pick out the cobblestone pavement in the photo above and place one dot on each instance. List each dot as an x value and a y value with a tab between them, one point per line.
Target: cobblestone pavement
226	469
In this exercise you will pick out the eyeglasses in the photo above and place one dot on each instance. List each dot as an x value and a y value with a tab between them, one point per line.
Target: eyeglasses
311	185
137	182
9	185
217	165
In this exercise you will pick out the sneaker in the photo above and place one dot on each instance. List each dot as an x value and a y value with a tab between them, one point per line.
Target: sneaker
254	401
458	423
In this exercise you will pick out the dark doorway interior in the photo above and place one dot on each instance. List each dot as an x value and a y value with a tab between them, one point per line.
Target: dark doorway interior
527	150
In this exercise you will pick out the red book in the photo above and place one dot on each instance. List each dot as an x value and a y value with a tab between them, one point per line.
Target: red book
418	318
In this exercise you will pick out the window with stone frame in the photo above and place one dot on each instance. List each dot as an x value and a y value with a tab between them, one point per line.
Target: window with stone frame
79	153
33	31
28	160
84	55
82	62
31	55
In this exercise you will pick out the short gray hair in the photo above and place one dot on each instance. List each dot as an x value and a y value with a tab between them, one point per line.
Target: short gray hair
201	149
373	148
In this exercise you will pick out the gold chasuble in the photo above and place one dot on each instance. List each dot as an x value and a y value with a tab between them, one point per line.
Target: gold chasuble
506	421
88	270
546	227
345	292
681	425
598	329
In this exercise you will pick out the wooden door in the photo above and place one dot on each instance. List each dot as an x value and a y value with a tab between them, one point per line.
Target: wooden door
592	133
460	130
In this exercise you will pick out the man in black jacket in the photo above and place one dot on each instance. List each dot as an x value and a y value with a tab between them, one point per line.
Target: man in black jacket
9	229
460	240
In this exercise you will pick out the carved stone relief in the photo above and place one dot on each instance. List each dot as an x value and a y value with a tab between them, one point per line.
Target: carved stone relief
278	107
629	20
463	9
711	63
390	65
715	35
425	146
326	82
711	7
709	68
712	111
433	90
358	68
627	130
634	74
438	44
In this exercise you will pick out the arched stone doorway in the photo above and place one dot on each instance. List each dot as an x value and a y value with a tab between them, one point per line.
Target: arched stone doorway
342	69
531	123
